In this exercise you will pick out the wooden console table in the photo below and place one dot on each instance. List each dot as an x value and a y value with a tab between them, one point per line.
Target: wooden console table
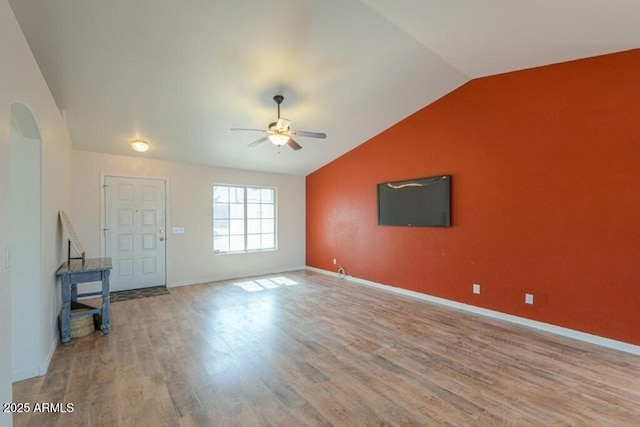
81	271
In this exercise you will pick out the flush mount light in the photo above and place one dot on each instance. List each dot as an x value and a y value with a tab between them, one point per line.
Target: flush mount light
139	145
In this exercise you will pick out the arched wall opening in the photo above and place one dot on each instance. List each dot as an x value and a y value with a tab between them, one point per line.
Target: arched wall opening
25	201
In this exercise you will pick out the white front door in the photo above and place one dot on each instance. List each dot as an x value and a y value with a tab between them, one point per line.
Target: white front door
134	231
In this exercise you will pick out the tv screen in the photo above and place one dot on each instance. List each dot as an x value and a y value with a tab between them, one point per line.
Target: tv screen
423	202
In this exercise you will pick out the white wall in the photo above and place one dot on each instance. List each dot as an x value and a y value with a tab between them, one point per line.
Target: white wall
190	257
25	252
5	285
22	82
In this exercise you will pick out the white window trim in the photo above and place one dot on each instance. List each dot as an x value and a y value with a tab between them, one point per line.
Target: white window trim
275	219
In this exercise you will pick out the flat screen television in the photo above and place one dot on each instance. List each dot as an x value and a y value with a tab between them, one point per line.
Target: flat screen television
422	202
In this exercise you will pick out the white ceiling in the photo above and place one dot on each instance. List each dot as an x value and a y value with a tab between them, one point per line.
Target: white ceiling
180	74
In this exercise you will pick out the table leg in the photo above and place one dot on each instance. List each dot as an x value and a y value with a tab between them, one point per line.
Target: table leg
74	292
65	330
106	320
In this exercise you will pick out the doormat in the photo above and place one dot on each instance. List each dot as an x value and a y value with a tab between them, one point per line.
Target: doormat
138	293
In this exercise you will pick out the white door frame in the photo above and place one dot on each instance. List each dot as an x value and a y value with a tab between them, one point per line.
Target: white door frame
103	219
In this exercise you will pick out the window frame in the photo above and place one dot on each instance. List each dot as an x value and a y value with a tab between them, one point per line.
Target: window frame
245	218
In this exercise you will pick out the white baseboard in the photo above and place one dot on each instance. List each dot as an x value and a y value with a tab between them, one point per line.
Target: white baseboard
24	374
39	370
565	332
44	366
232	276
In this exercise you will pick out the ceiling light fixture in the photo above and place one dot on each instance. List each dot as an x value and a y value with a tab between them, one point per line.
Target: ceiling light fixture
279	139
139	145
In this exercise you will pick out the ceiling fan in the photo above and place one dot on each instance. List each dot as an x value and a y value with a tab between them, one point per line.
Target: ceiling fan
280	132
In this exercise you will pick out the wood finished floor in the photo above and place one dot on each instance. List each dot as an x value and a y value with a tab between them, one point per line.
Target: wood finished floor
325	351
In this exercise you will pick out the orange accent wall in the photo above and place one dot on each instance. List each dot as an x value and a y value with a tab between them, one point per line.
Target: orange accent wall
545	167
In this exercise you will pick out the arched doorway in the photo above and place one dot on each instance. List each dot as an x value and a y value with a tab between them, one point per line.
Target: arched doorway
25	242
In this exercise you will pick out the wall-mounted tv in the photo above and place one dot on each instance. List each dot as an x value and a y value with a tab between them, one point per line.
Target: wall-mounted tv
422	202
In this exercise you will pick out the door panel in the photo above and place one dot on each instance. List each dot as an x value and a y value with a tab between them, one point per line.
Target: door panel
135	217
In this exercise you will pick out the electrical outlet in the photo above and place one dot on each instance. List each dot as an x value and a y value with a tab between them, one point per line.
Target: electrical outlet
335	261
476	288
528	299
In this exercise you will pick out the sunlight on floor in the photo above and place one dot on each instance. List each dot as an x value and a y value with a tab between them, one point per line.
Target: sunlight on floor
264	284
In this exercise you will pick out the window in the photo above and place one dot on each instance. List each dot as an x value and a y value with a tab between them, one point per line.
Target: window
244	219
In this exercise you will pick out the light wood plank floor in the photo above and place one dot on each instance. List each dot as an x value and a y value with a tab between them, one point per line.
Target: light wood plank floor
307	349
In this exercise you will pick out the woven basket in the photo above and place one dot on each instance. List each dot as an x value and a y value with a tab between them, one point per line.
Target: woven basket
81	326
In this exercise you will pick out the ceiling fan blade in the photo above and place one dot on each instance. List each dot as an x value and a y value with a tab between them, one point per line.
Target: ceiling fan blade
258	141
257	130
307	134
294	144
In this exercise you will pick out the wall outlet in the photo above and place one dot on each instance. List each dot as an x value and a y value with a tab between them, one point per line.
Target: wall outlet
335	261
528	299
476	288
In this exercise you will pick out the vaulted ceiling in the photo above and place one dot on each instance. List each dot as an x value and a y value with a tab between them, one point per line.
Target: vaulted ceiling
181	74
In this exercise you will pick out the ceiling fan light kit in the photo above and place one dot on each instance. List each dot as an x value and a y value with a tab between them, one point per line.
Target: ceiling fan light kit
279	139
280	133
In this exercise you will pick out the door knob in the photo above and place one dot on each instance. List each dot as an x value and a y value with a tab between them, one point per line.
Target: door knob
162	239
